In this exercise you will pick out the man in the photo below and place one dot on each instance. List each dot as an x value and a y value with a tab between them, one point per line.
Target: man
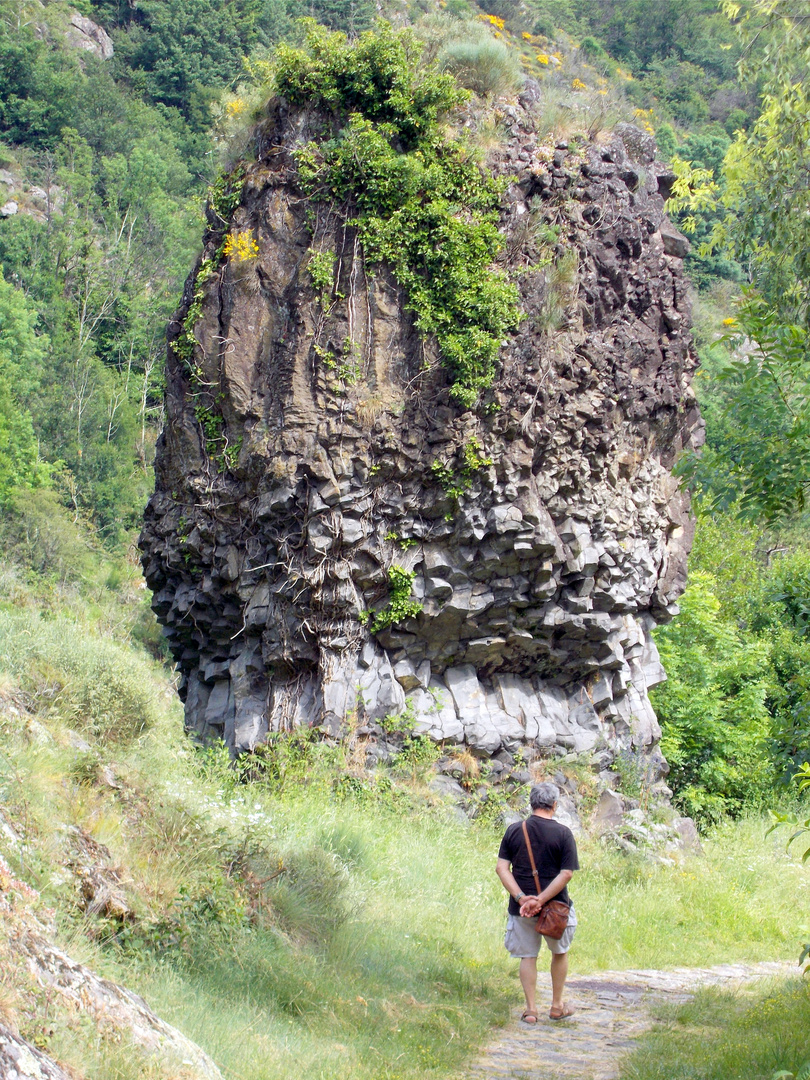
555	855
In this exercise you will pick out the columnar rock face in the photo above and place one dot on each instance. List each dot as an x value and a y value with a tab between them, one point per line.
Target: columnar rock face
545	531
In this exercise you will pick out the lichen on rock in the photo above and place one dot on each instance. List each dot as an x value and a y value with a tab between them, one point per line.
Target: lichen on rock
313	444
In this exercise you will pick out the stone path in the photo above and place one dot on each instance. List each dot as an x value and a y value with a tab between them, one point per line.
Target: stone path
612	1010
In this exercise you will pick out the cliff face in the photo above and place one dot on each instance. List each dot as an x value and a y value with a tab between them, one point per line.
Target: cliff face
311	445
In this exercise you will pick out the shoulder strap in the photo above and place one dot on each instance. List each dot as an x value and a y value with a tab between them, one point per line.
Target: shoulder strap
531	859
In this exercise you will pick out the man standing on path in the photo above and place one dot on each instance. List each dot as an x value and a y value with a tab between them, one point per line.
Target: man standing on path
555	854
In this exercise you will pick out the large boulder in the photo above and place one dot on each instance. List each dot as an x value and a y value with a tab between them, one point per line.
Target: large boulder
303	458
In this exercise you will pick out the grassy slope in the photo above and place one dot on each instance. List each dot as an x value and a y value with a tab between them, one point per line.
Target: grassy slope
756	1034
377	953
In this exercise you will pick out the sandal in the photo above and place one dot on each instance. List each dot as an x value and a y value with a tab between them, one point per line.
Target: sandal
529	1017
560	1014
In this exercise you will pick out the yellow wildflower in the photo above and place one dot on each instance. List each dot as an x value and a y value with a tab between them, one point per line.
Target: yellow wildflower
578	84
242	247
235	107
526	36
542	58
729	322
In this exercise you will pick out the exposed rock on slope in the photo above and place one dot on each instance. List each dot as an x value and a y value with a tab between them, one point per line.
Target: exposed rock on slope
74	987
317	447
76	30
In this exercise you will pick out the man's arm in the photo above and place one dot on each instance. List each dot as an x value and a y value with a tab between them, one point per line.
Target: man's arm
504	872
532	904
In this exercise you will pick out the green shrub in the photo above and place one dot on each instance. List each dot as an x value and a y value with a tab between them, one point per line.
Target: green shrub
418	198
37	531
591	48
89	683
714	717
486	67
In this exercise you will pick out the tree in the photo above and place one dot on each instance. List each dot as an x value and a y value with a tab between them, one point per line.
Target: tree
351	16
767	168
766	227
21	355
185	51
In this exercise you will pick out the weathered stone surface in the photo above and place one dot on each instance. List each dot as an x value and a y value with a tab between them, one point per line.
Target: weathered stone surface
69	984
77	31
675	243
608	813
690	837
19	1060
112	1005
88	36
539	583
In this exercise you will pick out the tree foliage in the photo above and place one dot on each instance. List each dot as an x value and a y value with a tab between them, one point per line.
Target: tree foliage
762	387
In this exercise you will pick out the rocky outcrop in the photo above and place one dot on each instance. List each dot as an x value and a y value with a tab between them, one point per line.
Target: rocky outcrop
76	31
84	34
19	1060
312	446
72	986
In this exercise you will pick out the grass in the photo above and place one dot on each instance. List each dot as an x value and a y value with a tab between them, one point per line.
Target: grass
755	1034
736	902
312	923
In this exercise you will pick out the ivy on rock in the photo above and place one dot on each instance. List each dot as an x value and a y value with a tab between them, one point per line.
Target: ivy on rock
418	197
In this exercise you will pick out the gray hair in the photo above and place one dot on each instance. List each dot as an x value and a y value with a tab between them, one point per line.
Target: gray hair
543	796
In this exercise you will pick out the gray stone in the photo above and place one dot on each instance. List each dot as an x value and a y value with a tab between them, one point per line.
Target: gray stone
88	36
675	243
609	812
447	786
688	835
539	580
9	209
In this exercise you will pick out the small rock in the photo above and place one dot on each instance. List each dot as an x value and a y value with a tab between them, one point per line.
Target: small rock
446	785
608	813
689	836
675	243
9	209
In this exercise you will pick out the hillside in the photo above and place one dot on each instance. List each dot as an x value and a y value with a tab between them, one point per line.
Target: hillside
326	905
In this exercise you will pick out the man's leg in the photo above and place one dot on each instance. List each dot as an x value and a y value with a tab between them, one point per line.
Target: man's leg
528	980
559	973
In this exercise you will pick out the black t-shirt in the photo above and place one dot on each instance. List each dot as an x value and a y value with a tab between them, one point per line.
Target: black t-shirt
554	849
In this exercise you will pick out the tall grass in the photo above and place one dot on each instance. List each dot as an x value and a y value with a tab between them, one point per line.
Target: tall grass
725	1035
89	682
485	66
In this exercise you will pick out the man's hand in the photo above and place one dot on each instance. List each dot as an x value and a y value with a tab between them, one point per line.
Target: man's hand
531	906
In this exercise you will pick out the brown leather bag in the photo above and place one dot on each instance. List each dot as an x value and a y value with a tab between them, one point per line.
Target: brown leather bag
553	917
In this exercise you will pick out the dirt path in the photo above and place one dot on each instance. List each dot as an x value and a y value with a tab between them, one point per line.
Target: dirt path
611	1011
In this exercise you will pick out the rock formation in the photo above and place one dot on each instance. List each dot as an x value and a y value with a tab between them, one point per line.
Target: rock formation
316	448
74	29
69	986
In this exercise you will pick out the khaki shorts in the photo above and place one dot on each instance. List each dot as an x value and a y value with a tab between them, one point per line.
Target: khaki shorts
521	938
